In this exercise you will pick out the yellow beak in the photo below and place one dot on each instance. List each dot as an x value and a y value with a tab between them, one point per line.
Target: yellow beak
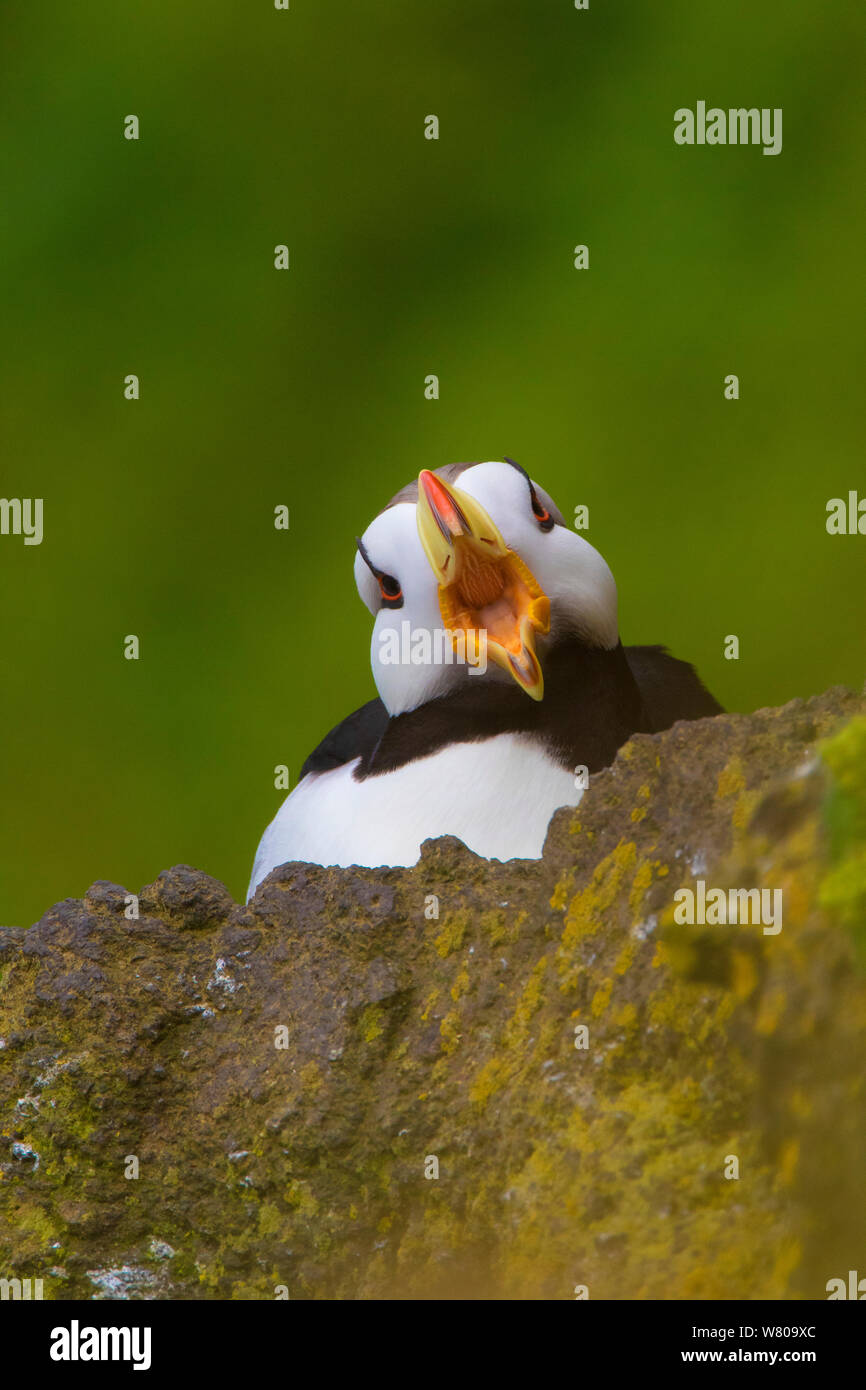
484	588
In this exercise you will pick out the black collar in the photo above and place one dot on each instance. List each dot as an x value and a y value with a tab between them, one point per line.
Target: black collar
591	706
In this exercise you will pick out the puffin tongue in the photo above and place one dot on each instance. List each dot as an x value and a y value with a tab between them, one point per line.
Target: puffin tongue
481	580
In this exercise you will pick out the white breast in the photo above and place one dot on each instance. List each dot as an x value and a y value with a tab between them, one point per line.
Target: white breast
496	796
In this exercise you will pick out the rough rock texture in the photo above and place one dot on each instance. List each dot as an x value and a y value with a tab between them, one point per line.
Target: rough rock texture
411	1038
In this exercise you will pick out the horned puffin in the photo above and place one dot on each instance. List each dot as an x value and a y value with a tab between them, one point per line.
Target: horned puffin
485	747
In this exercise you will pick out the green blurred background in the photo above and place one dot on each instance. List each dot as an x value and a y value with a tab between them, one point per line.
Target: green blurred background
305	387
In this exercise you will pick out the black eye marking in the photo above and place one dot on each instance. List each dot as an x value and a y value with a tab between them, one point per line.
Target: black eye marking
515	464
362	551
540	512
389	587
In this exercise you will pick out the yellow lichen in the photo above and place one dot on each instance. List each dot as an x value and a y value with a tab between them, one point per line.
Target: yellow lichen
372	1023
495	925
453	931
743	809
625	957
559	897
626	1017
588	908
489	1080
601	998
449	1030
428	1003
640	883
730	781
744	973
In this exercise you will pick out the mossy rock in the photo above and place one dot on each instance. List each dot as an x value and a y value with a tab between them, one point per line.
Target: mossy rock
585	1075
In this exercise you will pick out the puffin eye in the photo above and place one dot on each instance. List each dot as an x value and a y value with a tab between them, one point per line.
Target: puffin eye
389	588
540	512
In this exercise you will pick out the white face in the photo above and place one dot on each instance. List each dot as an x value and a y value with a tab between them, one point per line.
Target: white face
571	573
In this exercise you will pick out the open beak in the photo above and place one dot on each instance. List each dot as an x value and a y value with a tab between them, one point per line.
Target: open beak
483	586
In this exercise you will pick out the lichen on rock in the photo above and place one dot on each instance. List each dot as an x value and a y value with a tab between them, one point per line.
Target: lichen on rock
335	1091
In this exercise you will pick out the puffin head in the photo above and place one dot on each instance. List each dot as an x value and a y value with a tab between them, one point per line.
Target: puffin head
476	558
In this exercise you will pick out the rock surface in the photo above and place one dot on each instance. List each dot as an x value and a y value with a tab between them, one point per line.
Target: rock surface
286	1078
